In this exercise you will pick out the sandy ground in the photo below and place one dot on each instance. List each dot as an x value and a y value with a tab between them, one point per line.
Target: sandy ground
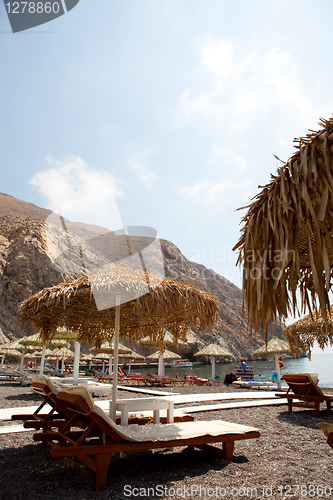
290	460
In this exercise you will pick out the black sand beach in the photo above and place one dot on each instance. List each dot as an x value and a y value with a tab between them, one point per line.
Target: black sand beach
290	459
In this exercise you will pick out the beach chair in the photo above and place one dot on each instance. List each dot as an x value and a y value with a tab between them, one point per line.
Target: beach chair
303	388
101	437
58	415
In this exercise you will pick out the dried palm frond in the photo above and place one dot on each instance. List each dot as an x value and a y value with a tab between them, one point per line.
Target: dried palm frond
286	244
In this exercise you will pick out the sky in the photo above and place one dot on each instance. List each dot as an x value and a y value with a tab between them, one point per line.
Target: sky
167	112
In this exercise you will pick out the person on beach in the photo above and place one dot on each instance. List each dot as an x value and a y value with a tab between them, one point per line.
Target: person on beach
243	365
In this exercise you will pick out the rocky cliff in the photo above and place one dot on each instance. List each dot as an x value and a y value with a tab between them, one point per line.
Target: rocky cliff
33	255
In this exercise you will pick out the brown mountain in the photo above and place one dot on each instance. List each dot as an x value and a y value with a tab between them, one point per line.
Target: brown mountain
26	266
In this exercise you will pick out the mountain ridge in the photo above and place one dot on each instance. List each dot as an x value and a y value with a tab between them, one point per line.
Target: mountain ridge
26	267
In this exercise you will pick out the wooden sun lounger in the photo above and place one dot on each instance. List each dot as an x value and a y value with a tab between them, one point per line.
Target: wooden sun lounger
305	391
94	445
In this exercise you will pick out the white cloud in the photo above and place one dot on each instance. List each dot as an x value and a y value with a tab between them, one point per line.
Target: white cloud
138	164
230	158
78	192
236	86
215	192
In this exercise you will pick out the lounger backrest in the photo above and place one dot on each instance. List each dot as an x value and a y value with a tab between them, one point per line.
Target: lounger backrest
303	384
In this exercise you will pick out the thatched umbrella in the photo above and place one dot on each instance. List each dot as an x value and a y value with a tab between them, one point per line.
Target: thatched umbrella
274	347
167	340
6	351
108	348
37	341
103	357
213	350
111	303
18	347
64	334
306	331
131	356
63	353
88	358
286	243
161	355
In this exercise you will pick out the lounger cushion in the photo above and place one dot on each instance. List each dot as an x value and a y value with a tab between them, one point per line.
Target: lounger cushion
165	432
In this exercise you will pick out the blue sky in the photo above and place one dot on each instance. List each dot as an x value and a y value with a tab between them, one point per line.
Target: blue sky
176	106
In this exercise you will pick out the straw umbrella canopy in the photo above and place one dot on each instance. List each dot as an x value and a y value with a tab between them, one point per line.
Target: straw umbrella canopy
120	301
286	243
9	352
213	350
132	355
274	347
13	345
306	331
37	341
63	352
33	355
168	340
166	354
161	355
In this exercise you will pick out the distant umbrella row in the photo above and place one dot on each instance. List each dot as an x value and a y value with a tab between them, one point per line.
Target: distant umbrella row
104	353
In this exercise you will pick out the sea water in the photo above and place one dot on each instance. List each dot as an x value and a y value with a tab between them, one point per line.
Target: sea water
322	364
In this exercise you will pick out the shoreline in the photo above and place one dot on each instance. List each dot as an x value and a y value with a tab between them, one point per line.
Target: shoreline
291	450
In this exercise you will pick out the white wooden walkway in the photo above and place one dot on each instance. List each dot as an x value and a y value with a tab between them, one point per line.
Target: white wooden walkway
252	399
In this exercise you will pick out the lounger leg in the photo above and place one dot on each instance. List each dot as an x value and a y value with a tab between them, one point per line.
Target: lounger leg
228	448
227	454
328	405
102	467
317	408
290	405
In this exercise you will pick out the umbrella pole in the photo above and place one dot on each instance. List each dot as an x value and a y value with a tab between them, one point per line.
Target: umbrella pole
110	366
212	359
76	366
42	361
161	365
22	361
2	361
115	363
277	368
129	366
